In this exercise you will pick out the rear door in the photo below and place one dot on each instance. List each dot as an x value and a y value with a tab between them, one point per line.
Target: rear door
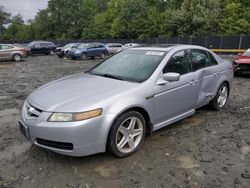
36	48
91	51
205	66
44	48
176	98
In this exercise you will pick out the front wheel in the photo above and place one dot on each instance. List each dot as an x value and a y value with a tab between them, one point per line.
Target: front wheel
126	134
51	52
102	56
221	97
17	57
84	56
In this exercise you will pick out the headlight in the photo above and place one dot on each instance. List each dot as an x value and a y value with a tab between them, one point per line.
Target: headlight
79	116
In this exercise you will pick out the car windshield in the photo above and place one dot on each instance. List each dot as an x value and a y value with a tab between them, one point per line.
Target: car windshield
131	65
68	46
246	53
83	46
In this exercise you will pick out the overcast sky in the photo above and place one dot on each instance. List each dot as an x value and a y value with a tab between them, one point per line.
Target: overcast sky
27	8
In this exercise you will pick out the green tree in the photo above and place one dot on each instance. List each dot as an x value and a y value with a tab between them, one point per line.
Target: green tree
5	18
236	18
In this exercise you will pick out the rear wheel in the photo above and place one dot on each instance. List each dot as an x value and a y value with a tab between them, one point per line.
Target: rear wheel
17	57
221	97
126	134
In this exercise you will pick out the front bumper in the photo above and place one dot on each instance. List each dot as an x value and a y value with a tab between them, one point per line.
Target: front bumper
75	55
69	138
240	67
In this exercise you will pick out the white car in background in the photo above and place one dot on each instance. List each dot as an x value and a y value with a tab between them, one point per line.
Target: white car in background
131	45
113	48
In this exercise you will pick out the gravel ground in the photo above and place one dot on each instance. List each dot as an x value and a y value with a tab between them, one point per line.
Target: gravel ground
209	149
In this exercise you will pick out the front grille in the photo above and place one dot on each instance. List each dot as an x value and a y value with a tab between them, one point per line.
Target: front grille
33	111
244	67
54	144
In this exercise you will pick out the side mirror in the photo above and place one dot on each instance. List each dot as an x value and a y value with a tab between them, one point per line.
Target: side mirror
169	77
239	54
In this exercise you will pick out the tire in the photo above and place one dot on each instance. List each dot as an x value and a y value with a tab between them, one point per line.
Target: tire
128	131
102	56
17	57
83	56
51	52
221	97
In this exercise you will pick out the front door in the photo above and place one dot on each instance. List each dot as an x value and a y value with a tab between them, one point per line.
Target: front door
176	98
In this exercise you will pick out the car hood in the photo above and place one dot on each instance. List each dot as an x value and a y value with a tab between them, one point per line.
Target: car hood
243	60
77	93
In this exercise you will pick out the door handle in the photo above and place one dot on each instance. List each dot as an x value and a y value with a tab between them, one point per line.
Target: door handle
193	82
216	73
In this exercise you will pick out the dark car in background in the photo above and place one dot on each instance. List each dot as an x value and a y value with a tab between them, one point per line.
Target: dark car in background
64	50
87	50
241	63
42	47
12	52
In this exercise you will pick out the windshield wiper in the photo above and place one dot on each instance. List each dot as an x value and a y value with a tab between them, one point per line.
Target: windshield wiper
106	75
112	76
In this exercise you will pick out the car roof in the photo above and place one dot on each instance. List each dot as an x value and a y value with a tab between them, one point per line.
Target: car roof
165	48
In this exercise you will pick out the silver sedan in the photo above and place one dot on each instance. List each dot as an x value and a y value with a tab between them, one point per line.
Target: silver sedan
113	106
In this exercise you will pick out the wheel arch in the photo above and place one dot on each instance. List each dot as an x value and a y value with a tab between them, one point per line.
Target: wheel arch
16	53
142	111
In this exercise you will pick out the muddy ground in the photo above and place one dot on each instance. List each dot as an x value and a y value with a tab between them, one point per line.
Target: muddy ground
209	149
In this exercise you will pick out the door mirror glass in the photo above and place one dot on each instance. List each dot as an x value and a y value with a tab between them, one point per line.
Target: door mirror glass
171	76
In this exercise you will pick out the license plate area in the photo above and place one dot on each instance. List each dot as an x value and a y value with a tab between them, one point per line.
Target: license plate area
24	130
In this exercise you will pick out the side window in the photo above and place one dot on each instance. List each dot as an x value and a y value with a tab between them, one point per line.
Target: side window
91	46
6	47
43	45
212	59
179	63
36	45
200	59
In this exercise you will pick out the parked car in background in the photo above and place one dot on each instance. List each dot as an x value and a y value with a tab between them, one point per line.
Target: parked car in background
113	48
42	47
242	63
131	45
84	51
64	50
113	105
12	52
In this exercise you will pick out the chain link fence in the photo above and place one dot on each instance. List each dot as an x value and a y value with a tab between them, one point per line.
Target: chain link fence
236	42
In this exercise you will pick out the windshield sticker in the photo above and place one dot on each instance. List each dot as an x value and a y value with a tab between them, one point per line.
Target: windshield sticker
154	53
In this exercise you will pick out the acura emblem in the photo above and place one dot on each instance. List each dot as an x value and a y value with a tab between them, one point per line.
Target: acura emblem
30	110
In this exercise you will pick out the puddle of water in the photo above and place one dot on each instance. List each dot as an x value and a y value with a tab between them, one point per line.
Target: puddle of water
187	162
105	171
2	97
15	150
245	150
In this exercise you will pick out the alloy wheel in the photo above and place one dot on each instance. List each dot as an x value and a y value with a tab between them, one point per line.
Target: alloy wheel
223	95
129	134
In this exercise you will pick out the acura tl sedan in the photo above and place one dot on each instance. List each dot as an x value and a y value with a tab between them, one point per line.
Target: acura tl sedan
113	106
